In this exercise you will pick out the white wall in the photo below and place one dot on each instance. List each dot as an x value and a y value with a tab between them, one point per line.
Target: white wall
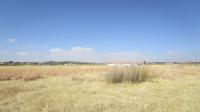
122	64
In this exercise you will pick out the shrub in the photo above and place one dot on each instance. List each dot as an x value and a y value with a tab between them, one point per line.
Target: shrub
127	74
115	75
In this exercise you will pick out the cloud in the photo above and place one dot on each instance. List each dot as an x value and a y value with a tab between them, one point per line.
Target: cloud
74	51
22	53
81	50
12	40
55	50
89	54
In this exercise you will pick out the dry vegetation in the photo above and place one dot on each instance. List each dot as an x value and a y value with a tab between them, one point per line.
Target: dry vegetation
84	89
36	72
175	71
128	74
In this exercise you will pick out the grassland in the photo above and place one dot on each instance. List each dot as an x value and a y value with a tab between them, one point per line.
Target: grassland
84	89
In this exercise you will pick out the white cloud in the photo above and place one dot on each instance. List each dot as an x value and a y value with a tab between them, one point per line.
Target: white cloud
75	53
72	52
11	40
88	54
55	50
81	50
22	53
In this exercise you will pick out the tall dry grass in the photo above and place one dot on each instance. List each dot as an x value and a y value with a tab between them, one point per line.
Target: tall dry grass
174	71
128	74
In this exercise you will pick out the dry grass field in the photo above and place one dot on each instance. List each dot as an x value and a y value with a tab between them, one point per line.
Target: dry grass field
37	72
175	88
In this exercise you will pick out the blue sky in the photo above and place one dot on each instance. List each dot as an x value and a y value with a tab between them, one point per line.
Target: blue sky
99	30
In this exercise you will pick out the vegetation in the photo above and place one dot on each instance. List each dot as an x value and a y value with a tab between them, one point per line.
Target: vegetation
84	89
37	72
127	74
12	63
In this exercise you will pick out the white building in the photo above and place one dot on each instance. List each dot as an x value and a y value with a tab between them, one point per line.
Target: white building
124	64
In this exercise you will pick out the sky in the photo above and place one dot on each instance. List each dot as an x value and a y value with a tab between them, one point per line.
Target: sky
100	30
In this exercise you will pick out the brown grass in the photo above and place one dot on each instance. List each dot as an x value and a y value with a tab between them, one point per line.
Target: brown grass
28	73
86	90
174	71
20	77
36	72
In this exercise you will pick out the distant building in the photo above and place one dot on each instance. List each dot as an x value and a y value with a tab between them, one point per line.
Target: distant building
169	63
69	64
124	64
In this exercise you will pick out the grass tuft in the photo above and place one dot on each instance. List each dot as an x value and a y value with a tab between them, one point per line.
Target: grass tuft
127	74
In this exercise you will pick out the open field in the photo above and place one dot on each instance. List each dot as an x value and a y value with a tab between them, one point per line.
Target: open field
176	88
